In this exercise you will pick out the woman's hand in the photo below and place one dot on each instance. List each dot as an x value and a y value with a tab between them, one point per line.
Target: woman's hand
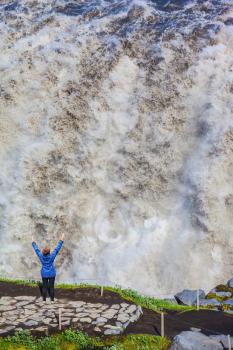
62	237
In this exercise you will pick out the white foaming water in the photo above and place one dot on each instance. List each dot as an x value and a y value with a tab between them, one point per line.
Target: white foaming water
116	129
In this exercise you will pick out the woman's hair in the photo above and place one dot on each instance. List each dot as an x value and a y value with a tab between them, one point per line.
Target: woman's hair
46	250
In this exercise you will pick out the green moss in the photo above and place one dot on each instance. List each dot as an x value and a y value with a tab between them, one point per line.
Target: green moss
223	288
217	297
71	340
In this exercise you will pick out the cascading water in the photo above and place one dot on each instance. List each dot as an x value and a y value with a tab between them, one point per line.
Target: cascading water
116	128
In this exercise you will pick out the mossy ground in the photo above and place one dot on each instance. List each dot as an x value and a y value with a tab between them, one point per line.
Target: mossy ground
127	294
71	340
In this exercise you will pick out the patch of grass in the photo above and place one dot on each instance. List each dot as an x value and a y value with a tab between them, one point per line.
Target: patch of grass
127	294
217	297
72	340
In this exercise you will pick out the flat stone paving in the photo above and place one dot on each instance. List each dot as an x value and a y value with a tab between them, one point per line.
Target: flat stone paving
30	312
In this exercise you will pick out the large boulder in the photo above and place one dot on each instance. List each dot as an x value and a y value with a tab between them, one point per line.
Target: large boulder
230	283
188	340
189	297
222	339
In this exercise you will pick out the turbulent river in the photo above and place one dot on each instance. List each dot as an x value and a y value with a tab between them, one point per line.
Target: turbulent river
116	128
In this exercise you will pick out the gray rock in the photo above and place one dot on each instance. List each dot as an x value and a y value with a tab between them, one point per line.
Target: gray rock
194	329
124	305
31	323
85	319
47	321
189	297
100	320
229	302
194	341
112	331
97	329
115	306
77	304
110	313
222	339
82	314
122	318
223	294
22	303
7	301
6	329
132	308
209	302
25	297
230	283
7	308
65	323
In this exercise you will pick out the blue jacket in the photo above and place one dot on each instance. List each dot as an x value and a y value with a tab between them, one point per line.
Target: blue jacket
47	269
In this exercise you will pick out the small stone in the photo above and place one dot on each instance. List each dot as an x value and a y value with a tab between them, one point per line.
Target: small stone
115	306
6	329
131	308
76	303
110	313
85	319
112	327
118	324
25	297
68	314
94	316
124	305
122	318
112	331
22	303
31	323
100	320
97	329
47	320
40	329
6	308
194	329
82	314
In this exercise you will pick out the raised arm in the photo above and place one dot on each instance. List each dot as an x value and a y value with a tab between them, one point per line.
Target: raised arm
58	247
36	249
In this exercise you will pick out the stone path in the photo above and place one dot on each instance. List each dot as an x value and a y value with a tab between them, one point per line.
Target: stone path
29	312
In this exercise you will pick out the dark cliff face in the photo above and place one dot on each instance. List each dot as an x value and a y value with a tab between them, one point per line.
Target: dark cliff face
116	128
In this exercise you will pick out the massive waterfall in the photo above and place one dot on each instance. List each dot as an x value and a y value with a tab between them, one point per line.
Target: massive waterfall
116	128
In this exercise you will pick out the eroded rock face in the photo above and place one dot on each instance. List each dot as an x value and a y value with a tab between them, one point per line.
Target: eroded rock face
116	128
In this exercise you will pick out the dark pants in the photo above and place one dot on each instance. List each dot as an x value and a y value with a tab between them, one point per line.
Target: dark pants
48	286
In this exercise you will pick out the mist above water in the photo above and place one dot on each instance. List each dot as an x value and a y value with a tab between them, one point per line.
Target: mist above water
116	128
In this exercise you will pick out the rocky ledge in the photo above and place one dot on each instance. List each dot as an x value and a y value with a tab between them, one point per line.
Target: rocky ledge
30	312
219	298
